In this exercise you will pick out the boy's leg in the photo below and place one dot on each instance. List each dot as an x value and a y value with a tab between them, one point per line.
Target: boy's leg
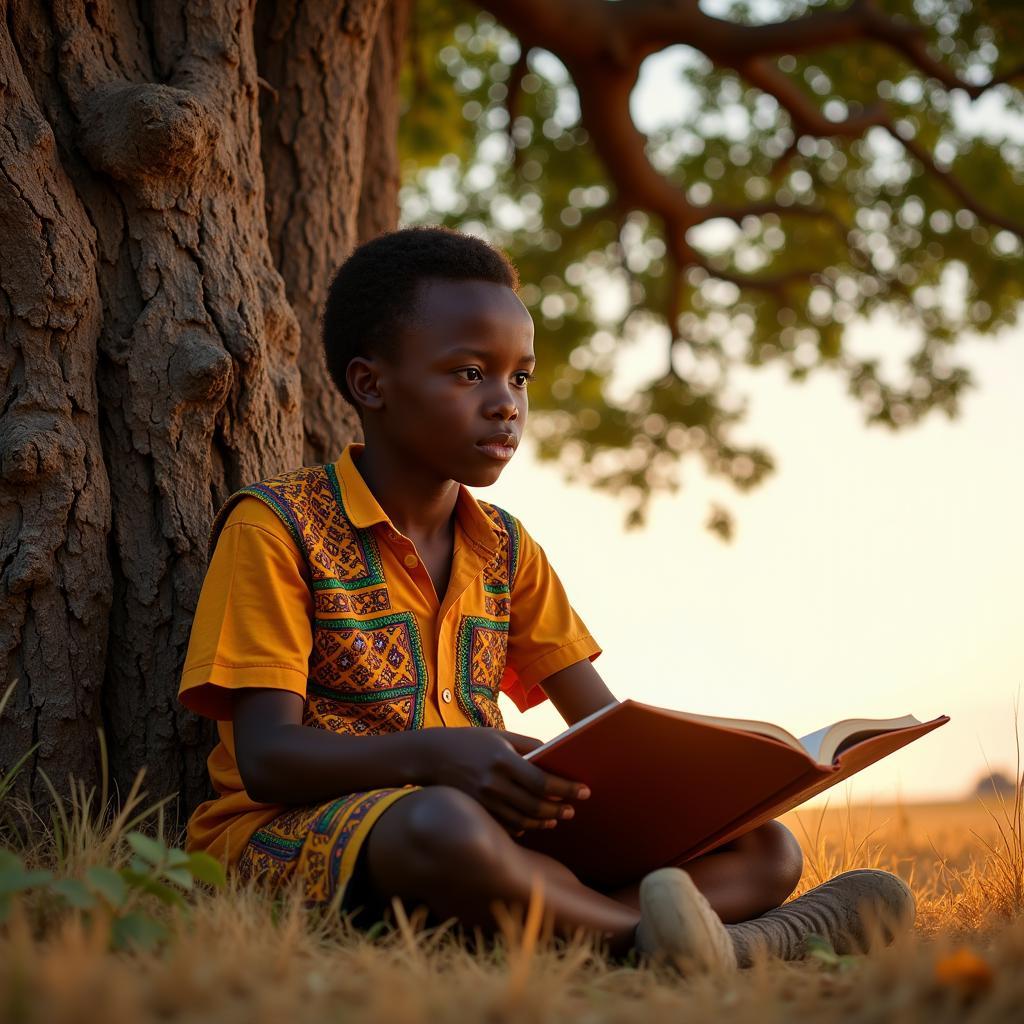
744	878
440	847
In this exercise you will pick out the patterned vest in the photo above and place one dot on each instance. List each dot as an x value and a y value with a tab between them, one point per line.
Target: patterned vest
366	669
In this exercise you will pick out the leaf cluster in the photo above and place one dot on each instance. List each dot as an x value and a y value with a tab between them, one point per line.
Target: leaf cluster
125	896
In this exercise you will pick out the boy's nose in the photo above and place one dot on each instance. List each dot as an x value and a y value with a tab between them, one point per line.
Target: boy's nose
504	407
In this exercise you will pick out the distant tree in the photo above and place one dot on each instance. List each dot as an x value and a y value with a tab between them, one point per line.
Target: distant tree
995	784
829	162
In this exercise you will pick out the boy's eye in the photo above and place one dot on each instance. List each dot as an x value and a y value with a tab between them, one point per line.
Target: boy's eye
523	376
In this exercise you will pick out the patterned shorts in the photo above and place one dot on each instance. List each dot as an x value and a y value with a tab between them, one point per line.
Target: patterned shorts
321	844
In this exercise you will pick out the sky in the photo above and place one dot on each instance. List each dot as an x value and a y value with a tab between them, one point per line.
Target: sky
873	574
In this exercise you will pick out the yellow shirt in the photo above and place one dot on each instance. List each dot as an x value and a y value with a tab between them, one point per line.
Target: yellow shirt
311	589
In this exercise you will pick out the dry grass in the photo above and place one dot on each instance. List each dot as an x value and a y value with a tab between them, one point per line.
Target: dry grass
236	954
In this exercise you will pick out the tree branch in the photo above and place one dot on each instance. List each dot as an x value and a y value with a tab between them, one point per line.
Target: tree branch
774	283
727	211
807	117
603	45
512	100
954	185
810	121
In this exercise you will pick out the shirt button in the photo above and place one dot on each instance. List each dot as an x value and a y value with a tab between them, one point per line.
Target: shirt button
446	695
411	560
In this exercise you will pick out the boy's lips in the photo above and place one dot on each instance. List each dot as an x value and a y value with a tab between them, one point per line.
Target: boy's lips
499	446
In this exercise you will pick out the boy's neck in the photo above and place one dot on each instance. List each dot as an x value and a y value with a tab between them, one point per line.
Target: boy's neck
418	504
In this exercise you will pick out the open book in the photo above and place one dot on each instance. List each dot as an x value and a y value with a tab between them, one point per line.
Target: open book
667	786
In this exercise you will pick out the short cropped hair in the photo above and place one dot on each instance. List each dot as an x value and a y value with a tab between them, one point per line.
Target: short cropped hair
373	294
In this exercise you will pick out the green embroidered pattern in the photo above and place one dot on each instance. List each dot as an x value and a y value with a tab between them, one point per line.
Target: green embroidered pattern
351	655
480	649
499	576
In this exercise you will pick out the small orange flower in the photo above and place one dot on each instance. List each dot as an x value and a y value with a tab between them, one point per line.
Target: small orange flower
964	970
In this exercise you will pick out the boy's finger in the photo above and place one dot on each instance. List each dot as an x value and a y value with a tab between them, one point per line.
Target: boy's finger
543	784
515	818
566	789
523	744
527	803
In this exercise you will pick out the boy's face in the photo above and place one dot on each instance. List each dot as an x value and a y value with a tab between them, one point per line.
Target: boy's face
455	396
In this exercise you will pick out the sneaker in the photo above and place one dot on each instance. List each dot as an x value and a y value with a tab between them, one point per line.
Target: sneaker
854	912
678	925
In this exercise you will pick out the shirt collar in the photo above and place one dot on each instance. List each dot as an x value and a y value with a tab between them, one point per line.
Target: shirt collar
363	509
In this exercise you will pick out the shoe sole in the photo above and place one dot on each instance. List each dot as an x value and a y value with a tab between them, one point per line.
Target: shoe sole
677	923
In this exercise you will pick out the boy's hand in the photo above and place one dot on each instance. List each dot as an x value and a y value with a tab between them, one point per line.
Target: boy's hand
488	765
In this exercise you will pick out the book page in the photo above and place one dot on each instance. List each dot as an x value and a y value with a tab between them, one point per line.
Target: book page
812	742
741	724
824	744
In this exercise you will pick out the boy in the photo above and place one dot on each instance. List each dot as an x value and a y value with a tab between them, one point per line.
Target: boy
359	619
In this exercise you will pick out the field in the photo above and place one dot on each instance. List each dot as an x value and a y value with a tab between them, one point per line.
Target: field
232	954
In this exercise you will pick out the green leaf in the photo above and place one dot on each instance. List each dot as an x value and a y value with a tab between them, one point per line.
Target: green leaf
148	849
378	928
164	893
139	866
818	947
9	860
147	883
180	876
109	884
5	906
137	929
75	891
17	879
176	858
207	869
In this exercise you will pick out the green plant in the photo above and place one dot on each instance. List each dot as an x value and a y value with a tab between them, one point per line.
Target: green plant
820	949
155	870
85	846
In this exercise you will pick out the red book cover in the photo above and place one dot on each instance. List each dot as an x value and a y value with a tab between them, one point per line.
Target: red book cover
664	788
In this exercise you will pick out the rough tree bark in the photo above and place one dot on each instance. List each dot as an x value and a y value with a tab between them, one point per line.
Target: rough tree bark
328	188
176	183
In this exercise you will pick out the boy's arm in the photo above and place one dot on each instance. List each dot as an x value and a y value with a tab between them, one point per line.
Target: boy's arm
577	691
280	760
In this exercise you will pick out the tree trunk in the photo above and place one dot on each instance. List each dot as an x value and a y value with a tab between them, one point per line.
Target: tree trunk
169	226
326	71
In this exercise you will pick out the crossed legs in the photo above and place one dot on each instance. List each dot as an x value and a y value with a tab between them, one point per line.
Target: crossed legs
440	847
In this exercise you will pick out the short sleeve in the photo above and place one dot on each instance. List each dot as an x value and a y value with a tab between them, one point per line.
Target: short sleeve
253	623
545	634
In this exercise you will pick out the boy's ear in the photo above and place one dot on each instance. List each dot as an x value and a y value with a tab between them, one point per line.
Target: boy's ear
363	377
